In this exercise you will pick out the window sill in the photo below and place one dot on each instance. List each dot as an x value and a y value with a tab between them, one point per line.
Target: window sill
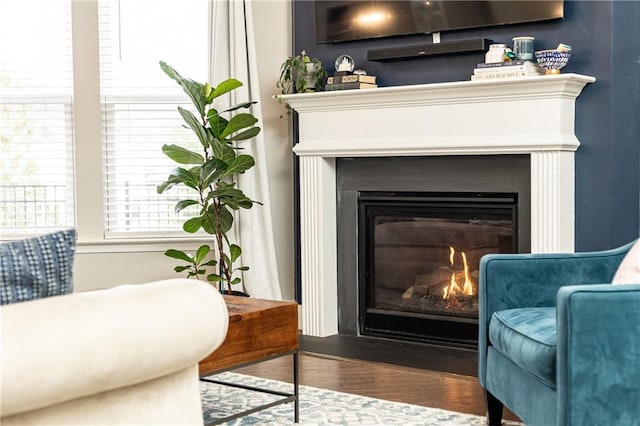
152	245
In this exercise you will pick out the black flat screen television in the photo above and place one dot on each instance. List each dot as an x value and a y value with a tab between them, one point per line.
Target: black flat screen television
338	21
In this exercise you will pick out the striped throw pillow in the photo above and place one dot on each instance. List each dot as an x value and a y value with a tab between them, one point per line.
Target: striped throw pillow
37	267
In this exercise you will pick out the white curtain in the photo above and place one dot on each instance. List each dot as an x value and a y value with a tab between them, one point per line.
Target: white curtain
234	56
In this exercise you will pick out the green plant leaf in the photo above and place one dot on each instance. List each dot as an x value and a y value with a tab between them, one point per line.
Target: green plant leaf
217	124
208	92
201	271
168	184
211	170
235	281
201	253
180	205
185	177
227	219
244	135
209	223
194	90
228	154
242	268
231	196
211	262
238	122
241	105
225	87
192	225
211	112
179	269
217	148
240	165
182	155
236	204
223	151
235	252
214	278
195	125
178	254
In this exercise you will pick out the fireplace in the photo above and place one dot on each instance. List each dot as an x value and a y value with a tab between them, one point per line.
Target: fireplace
419	256
398	220
458	119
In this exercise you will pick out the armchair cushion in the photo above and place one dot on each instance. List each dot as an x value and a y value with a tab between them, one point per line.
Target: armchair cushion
629	270
37	267
527	336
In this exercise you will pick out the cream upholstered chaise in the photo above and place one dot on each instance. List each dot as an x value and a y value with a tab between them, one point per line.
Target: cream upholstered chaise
125	355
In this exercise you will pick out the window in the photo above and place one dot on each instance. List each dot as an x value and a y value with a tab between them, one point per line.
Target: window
139	106
139	114
36	141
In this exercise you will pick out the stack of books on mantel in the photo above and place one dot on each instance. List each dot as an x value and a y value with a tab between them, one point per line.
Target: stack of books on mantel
351	81
512	69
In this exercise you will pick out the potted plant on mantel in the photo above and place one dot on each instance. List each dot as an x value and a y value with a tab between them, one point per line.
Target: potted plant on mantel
301	74
211	174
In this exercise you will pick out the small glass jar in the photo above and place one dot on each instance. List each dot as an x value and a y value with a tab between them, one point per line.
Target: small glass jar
523	47
495	53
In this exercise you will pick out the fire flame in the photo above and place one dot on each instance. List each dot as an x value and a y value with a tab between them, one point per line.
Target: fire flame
453	289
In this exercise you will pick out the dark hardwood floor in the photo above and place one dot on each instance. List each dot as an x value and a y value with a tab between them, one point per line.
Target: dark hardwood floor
421	355
428	388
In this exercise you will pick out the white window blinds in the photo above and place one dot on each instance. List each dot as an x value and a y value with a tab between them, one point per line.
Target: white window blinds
139	105
36	141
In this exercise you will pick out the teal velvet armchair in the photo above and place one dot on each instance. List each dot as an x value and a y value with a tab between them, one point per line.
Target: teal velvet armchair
558	344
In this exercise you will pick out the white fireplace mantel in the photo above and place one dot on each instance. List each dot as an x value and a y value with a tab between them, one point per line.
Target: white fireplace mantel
531	115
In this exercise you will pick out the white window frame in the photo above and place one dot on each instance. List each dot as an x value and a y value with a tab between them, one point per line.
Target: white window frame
87	112
37	202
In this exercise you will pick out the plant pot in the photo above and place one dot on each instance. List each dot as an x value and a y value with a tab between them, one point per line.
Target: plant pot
311	82
235	293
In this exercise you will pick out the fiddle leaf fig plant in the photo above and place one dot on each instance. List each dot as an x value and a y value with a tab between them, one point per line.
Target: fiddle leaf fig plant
211	175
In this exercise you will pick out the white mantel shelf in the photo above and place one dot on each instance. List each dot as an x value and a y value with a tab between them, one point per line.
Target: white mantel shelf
529	115
450	118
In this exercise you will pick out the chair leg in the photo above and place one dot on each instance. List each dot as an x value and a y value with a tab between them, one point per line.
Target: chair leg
494	410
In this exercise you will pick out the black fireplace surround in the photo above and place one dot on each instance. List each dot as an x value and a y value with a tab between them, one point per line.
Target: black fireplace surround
411	231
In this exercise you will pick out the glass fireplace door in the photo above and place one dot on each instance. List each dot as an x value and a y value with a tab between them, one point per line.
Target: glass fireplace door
419	256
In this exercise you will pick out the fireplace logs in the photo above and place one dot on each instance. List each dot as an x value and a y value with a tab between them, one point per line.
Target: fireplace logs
427	292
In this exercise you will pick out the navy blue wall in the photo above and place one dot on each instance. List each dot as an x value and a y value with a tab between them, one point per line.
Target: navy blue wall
605	36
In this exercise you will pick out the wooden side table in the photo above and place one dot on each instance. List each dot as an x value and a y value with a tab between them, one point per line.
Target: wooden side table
259	330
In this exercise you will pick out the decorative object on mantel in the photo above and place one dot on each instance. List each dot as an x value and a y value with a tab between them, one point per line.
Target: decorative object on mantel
495	54
300	74
211	175
554	59
345	63
346	78
352	78
511	69
523	47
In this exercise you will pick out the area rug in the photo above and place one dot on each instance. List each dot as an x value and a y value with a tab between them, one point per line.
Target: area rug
319	407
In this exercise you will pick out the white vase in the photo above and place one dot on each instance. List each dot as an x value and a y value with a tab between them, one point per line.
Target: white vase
311	83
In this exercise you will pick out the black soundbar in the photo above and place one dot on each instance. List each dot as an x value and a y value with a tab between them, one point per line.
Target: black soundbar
422	50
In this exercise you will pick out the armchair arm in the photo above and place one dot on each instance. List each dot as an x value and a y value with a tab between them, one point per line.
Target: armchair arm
509	281
598	360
